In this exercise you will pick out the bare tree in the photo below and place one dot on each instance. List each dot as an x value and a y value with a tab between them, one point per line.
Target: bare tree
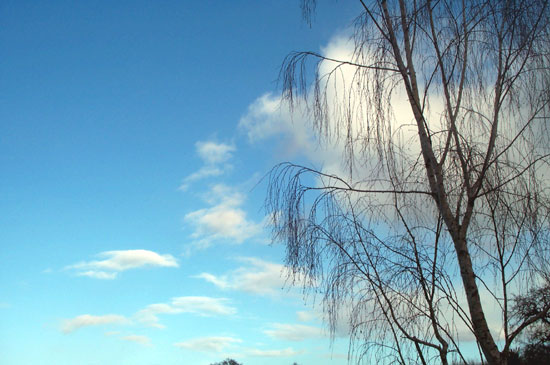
428	236
536	339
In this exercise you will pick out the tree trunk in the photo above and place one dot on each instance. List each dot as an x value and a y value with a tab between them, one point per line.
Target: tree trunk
479	322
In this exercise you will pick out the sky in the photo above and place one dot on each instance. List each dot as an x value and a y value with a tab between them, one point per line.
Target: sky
134	136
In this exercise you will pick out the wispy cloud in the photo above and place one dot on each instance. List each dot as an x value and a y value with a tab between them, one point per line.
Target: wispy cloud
87	320
203	172
307	316
224	219
98	274
117	261
214	153
273	353
257	277
208	344
294	332
142	340
112	333
202	306
215	157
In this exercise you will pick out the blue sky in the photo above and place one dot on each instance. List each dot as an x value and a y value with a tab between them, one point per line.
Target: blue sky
133	137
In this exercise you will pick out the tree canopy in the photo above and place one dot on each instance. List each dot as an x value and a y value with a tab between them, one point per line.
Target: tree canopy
227	362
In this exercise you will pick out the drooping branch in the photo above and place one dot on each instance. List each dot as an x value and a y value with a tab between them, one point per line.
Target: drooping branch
446	202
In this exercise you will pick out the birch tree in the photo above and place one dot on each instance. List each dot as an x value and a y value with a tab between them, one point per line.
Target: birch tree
439	221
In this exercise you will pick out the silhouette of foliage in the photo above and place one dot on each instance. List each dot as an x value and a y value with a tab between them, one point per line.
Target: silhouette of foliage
227	362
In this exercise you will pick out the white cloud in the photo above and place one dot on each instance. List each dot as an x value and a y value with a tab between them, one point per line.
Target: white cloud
202	306
142	340
293	131
273	353
259	122
205	306
214	156
294	332
307	316
219	281
225	219
98	274
202	173
86	320
219	221
214	153
258	277
117	261
270	116
208	344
